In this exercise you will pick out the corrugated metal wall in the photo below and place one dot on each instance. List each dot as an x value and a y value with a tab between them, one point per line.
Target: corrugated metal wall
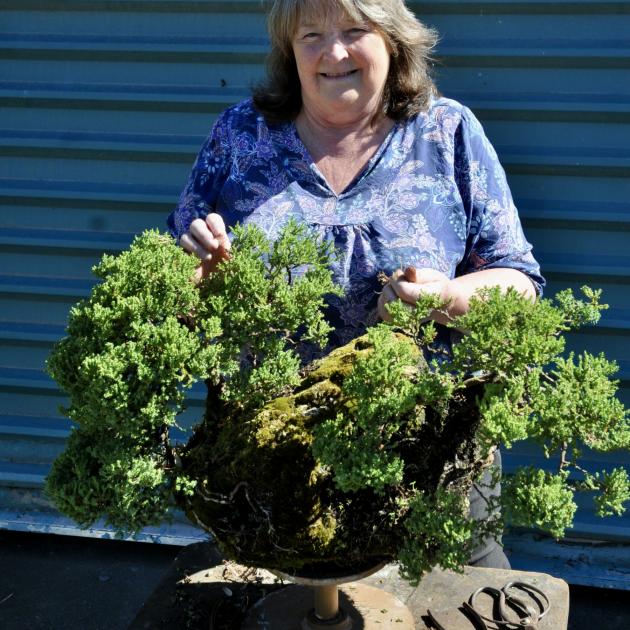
103	106
104	103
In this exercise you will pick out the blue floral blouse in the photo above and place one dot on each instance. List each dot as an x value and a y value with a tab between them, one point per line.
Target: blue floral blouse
434	195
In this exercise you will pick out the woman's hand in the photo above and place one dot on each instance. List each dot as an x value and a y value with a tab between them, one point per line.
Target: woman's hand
410	284
208	240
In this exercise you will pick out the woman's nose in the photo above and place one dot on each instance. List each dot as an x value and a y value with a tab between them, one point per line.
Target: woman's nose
336	49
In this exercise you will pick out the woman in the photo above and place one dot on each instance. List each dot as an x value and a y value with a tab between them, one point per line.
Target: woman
348	135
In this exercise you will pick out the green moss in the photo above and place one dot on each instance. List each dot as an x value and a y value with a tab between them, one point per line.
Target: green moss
322	531
337	365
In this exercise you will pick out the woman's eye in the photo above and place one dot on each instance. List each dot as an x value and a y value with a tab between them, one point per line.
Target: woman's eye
358	30
312	35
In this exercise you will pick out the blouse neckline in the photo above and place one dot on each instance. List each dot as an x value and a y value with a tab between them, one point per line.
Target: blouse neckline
365	171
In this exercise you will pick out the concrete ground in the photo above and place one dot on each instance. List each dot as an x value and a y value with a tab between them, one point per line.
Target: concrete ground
66	583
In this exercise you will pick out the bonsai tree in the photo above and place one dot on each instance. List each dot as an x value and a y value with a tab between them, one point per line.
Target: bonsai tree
365	454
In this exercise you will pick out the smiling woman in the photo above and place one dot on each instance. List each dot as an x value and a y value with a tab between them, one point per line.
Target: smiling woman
348	136
408	86
342	66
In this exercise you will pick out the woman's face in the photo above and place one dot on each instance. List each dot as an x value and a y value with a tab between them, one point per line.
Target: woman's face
342	65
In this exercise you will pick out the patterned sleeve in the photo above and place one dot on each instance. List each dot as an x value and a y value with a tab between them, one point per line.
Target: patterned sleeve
208	173
495	236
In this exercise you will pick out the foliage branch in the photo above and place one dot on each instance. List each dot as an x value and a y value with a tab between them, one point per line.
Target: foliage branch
147	334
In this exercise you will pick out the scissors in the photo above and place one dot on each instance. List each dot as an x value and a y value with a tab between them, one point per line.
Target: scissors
509	602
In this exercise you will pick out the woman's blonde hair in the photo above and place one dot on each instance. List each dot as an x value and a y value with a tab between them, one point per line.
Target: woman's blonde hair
409	85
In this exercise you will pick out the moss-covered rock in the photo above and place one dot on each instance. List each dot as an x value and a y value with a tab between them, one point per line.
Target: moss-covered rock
270	503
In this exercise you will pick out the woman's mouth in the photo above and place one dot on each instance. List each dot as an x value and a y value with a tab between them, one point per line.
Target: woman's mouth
337	75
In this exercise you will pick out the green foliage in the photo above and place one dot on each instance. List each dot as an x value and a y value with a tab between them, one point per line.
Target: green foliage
537	498
264	294
146	334
371	427
507	333
358	443
356	456
415	321
126	363
576	403
579	312
439	532
531	391
505	413
614	491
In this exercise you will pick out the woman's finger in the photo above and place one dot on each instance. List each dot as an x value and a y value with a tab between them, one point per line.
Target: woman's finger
216	225
201	233
412	283
411	274
424	274
192	246
387	295
405	290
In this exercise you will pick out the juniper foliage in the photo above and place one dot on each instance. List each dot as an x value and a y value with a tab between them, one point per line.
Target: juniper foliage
357	443
266	295
146	334
532	391
126	362
436	523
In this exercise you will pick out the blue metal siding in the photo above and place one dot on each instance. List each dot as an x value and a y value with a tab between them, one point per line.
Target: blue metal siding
104	103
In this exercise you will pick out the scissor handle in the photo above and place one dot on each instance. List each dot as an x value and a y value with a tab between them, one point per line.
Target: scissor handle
544	606
493	592
530	618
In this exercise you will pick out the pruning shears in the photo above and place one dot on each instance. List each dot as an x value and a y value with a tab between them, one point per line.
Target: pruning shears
527	601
